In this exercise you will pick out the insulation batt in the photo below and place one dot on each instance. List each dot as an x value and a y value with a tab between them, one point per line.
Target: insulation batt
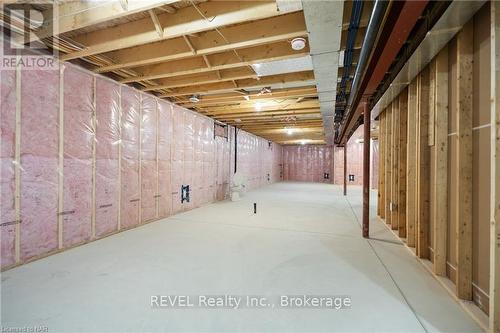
308	163
131	120
39	161
96	144
77	151
7	172
107	145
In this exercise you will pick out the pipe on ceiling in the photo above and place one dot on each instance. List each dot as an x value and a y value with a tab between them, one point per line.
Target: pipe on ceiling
379	50
376	19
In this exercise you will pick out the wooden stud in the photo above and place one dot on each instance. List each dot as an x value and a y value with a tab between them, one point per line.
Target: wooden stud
94	139
388	160
440	179
120	115
401	208
140	159
494	313
463	205
61	159
17	167
157	198
432	103
395	165
423	166
411	161
381	177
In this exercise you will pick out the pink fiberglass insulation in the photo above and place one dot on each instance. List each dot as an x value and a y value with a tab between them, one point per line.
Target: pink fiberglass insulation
39	161
7	172
131	120
107	171
149	174
355	157
209	161
221	169
177	157
188	169
143	150
164	164
310	163
338	165
77	164
197	176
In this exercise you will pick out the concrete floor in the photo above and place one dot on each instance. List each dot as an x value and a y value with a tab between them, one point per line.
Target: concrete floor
305	239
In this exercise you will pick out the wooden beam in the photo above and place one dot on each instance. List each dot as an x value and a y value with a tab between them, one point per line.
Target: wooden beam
203	78
440	180
494	313
305	77
411	160
250	107
423	166
156	22
269	114
395	165
74	15
463	205
246	36
388	165
186	21
234	98
401	206
189	44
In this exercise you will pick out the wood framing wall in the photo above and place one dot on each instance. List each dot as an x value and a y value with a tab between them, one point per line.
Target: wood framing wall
436	162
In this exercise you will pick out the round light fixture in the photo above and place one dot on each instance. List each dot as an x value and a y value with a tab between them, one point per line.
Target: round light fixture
194	99
289	131
298	43
258	106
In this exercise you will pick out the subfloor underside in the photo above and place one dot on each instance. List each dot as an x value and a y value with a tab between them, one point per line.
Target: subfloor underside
304	240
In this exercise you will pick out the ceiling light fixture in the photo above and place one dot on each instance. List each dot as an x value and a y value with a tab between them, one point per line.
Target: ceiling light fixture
194	99
289	131
298	43
303	142
258	106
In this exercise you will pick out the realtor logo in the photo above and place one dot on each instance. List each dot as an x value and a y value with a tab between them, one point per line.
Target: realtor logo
27	30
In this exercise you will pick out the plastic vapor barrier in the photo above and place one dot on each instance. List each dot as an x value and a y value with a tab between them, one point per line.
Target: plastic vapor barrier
83	157
107	156
78	134
308	163
7	172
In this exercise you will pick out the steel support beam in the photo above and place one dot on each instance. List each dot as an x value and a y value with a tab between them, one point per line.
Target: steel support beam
366	171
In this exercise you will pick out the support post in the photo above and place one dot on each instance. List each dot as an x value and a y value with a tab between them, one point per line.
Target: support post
366	171
439	117
464	121
345	169
423	166
494	314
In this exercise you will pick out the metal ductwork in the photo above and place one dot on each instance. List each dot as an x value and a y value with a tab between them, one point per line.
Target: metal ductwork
324	27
